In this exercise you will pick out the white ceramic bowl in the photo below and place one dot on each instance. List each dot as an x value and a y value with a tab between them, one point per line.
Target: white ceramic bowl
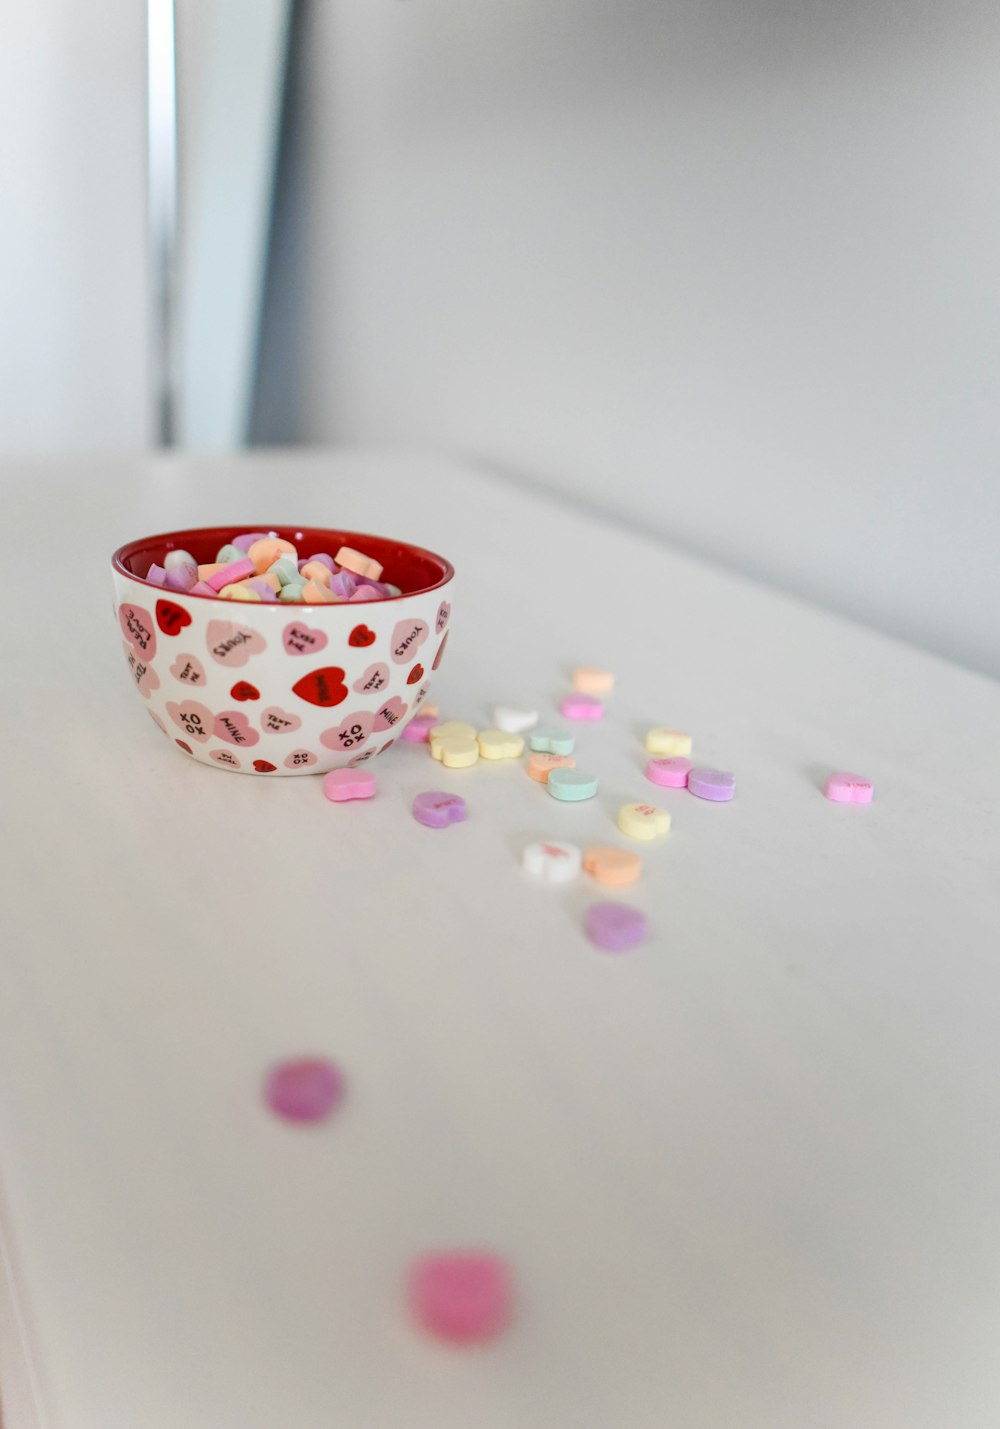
277	688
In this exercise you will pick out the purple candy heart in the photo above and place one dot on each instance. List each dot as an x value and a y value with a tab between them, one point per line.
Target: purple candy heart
715	784
437	810
615	927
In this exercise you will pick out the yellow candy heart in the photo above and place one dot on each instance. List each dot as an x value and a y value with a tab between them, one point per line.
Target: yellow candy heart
643	821
669	742
455	751
498	744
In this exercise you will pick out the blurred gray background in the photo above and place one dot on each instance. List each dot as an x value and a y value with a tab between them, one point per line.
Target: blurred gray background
723	269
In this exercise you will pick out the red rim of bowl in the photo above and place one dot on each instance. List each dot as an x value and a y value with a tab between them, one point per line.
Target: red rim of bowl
150	548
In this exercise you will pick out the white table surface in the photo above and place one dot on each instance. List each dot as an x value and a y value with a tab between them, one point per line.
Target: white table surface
747	1176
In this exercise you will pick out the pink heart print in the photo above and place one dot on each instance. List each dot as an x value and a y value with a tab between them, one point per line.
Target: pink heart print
300	759
234	727
441	620
144	675
224	756
137	627
275	720
233	644
407	639
193	718
390	714
188	669
299	639
376	677
353	732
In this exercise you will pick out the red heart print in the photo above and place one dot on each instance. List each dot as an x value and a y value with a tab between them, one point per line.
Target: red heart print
243	690
322	687
415	675
361	636
440	652
171	618
262	766
186	747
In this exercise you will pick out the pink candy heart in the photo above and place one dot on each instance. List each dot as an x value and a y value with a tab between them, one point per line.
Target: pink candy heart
342	785
441	620
234	727
300	639
579	706
233	644
461	1296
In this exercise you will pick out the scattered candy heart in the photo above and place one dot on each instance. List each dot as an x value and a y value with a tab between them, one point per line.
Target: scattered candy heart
849	789
540	766
643	821
437	810
496	744
552	741
343	785
571	785
551	862
668	741
307	1089
592	681
717	785
582	707
514	720
669	773
461	1296
419	729
615	927
615	867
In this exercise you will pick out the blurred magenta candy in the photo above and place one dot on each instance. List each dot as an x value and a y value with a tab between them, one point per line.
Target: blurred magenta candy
462	1296
306	1089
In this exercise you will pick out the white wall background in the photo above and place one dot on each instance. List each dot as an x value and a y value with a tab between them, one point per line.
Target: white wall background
73	293
728	268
